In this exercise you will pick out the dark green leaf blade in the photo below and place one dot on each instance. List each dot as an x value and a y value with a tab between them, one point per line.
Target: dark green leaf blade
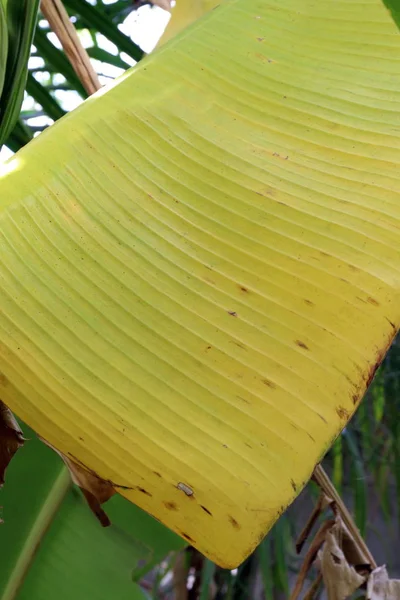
55	546
97	19
21	24
44	98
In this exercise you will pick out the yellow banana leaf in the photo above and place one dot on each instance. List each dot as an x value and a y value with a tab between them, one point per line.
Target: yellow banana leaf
200	267
183	14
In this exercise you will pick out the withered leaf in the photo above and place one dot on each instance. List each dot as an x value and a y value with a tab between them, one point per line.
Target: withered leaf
340	578
95	489
353	553
380	587
11	438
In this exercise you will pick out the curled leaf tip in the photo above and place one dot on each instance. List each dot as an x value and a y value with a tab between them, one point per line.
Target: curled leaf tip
11	438
95	489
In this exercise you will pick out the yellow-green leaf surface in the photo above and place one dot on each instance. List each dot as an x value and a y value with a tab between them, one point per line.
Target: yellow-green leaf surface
201	266
183	14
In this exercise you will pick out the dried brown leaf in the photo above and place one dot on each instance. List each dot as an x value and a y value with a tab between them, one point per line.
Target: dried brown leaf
340	578
380	587
95	489
11	438
355	555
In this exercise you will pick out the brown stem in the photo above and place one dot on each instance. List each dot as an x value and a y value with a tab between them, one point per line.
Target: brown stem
323	502
322	480
55	13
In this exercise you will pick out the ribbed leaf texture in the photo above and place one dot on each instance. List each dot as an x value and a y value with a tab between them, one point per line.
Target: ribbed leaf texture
200	267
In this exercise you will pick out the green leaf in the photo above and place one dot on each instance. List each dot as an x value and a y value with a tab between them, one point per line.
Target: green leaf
44	98
96	18
337	471
21	23
3	43
358	482
19	137
55	546
281	537
265	563
104	56
207	575
57	61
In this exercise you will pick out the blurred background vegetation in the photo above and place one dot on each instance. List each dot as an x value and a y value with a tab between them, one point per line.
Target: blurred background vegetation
55	548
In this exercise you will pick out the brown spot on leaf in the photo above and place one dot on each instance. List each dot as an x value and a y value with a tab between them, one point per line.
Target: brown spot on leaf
143	491
232	313
269	383
243	399
294	486
354	398
157	473
243	289
373	368
353	268
233	522
3	380
343	413
11	438
187	537
391	323
239	344
301	344
309	302
206	510
372	301
170	505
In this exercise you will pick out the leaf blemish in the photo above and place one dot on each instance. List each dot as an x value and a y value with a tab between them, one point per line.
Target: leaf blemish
206	510
342	413
170	505
187	537
233	522
301	344
143	491
232	313
372	301
269	383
